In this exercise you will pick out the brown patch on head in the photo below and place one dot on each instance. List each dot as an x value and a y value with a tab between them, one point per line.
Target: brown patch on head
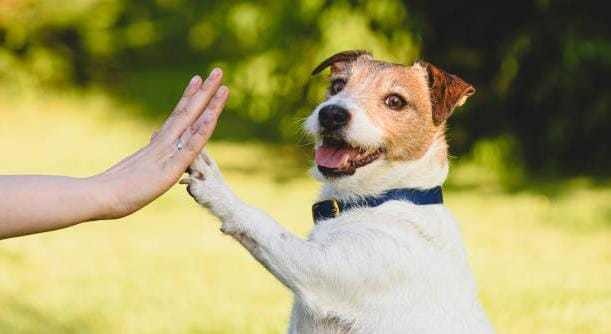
409	131
426	95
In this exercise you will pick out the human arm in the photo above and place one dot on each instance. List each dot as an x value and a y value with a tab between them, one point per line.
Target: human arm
38	203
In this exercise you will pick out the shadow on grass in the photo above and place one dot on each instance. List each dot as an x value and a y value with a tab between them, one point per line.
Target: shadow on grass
550	187
560	187
468	177
607	216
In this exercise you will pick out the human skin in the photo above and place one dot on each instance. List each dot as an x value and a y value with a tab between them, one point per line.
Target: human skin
38	203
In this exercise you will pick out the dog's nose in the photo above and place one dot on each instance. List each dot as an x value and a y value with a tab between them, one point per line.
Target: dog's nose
333	117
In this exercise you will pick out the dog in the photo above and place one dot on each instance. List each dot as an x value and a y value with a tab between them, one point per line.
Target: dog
385	255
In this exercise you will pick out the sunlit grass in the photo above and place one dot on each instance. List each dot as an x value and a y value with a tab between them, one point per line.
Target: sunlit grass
542	255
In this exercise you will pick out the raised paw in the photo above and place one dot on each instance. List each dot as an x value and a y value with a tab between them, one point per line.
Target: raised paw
205	182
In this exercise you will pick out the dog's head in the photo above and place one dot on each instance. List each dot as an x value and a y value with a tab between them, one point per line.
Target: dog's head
378	113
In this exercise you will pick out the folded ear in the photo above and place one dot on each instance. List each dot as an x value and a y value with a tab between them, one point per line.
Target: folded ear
447	92
339	60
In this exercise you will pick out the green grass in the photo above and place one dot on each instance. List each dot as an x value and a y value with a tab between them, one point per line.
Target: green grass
541	254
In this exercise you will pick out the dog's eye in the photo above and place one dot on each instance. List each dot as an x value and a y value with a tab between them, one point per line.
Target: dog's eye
395	102
337	85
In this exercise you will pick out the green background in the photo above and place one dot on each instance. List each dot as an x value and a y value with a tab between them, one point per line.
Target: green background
541	67
84	83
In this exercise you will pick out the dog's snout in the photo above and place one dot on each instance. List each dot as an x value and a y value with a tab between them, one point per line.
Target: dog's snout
333	117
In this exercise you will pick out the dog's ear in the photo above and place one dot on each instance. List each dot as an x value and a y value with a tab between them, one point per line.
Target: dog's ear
339	60
447	91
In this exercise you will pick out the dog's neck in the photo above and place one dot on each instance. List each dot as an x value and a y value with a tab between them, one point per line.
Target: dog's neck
428	171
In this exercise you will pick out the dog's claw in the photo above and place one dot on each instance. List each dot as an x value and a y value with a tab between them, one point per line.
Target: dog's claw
190	191
207	159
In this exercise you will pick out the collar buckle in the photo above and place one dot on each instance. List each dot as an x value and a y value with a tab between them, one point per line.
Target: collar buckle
334	207
326	209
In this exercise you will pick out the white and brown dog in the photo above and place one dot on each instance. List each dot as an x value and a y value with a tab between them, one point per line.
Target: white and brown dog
385	255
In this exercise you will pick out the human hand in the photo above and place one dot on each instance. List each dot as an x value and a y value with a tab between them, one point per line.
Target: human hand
143	176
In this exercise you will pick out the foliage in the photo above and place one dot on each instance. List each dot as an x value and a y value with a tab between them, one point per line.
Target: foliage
539	66
146	50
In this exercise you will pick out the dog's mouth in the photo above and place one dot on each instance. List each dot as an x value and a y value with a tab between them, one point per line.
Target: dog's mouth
335	157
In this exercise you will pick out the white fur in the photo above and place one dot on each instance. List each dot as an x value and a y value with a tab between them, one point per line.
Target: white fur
395	268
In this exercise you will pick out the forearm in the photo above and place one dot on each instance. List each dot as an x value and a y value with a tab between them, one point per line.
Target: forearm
290	258
36	203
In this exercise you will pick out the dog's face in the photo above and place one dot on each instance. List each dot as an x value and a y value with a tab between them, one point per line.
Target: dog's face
378	112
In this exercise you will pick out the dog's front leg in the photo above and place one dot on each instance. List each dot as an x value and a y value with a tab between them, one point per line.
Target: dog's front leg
271	244
310	269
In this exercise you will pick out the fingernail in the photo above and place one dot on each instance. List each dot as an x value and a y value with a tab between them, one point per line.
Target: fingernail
221	93
195	79
193	84
215	73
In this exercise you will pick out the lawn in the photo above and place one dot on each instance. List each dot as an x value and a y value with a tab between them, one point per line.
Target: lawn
541	254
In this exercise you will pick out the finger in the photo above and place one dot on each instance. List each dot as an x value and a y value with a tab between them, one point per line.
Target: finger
198	134
183	118
206	123
192	87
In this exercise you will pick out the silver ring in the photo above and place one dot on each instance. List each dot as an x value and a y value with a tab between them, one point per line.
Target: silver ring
179	145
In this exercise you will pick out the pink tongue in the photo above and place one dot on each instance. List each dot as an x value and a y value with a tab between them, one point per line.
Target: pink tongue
331	157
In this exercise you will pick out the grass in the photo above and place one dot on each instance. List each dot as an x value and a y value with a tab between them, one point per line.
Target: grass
542	255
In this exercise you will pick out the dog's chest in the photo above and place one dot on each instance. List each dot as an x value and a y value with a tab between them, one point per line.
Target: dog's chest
405	254
407	238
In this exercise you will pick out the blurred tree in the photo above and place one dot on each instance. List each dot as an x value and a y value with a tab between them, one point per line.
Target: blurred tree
538	65
539	68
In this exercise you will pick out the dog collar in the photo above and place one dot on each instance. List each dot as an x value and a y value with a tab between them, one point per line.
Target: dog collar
333	208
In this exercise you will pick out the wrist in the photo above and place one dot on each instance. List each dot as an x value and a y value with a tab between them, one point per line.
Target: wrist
98	193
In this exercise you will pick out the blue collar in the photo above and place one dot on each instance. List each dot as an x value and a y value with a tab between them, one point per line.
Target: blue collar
333	208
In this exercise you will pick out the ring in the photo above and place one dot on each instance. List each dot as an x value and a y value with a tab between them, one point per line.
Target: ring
179	145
